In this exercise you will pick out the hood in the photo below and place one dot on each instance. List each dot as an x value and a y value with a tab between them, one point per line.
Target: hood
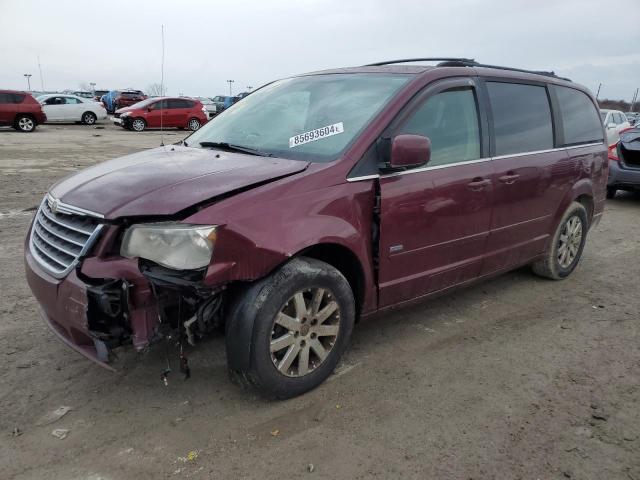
166	180
126	109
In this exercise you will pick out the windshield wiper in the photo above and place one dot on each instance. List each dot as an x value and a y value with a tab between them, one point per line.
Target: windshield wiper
235	148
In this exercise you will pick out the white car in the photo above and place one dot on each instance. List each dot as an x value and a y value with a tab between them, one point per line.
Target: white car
614	121
71	108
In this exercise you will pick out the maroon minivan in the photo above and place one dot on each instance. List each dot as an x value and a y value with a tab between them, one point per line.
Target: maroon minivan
315	202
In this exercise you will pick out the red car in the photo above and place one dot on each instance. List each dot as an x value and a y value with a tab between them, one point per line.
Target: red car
315	202
20	111
166	112
126	98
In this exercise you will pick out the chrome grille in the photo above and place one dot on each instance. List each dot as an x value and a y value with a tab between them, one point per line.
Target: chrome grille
61	235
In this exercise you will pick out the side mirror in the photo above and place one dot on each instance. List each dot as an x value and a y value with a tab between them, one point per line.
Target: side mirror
149	109
409	151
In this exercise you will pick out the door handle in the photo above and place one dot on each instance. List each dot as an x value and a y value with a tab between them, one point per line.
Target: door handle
478	184
509	178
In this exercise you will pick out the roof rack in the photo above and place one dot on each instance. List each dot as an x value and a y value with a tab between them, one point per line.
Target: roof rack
467	62
409	60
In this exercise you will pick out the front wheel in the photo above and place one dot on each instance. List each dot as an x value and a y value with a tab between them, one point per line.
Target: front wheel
566	246
302	318
194	124
138	124
89	118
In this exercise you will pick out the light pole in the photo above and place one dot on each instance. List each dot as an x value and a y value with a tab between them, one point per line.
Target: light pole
230	82
249	87
93	87
28	75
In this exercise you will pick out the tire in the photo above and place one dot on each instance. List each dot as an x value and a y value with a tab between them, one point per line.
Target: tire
611	192
281	312
557	264
89	118
25	123
138	124
193	124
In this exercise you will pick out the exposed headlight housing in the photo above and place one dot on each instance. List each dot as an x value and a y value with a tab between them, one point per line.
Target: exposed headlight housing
173	245
125	114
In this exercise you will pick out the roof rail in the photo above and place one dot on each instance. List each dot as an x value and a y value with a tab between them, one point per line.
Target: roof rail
466	62
409	60
512	69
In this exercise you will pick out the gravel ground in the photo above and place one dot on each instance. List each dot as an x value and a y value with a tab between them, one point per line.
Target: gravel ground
513	378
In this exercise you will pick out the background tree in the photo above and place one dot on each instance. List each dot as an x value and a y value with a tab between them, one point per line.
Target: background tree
155	89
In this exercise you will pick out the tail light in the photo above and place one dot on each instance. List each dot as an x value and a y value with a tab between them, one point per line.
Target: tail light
613	152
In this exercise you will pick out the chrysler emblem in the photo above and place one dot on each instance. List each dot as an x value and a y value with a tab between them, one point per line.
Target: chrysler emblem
54	204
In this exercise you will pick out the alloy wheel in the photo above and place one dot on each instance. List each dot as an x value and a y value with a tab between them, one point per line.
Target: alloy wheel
138	125
194	124
89	119
304	332
26	124
569	241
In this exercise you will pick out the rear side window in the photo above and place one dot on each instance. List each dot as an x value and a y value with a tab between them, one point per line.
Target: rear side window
176	103
579	117
450	120
11	98
521	118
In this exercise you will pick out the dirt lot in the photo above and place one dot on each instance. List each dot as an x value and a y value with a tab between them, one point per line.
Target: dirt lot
517	377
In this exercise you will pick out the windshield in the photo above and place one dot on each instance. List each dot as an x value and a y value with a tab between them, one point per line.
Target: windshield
304	118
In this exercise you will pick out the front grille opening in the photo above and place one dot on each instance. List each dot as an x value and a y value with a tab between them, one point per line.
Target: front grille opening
59	240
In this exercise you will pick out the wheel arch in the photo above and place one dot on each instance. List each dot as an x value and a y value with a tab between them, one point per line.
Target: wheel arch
24	114
346	262
239	326
581	191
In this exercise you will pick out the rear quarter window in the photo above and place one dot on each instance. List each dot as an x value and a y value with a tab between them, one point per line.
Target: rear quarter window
579	116
521	118
8	97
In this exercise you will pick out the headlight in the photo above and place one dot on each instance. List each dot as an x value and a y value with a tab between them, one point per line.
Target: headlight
125	114
172	245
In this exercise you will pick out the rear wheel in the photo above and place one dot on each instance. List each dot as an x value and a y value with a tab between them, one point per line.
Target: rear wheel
194	124
138	124
25	123
303	316
89	118
611	192
567	245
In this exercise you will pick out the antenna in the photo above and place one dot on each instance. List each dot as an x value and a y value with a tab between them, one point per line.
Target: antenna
162	89
41	81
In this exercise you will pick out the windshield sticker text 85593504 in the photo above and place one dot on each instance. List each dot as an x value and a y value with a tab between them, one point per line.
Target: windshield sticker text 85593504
317	134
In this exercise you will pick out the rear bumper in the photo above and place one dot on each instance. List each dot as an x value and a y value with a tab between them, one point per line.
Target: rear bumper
622	176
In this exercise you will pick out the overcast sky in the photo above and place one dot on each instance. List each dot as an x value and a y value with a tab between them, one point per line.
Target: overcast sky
117	44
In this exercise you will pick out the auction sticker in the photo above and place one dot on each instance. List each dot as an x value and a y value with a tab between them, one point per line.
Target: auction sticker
317	134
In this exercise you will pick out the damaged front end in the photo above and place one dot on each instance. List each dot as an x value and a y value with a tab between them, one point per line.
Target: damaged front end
187	310
104	300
